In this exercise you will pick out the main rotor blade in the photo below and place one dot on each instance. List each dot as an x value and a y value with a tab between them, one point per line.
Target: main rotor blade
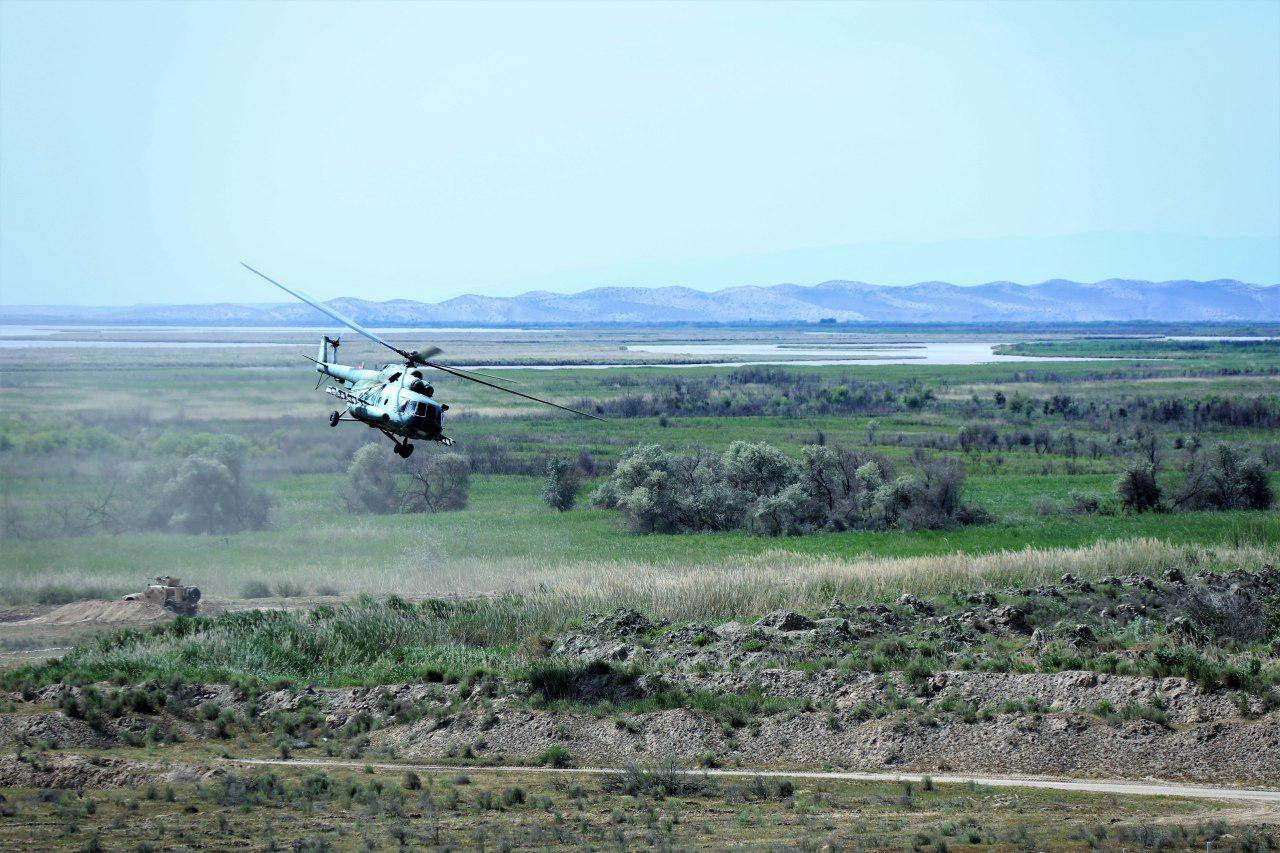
517	393
478	373
346	321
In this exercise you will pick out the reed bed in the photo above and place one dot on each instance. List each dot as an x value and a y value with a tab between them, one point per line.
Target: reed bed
500	607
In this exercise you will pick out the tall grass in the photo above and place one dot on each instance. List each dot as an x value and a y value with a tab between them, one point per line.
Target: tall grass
508	536
368	641
751	586
365	642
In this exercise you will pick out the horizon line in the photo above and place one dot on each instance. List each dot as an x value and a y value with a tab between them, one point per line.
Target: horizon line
12	306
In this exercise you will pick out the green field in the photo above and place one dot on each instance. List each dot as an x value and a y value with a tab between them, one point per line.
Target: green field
72	427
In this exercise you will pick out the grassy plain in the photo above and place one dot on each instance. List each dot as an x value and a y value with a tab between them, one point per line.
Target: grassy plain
73	423
381	808
80	420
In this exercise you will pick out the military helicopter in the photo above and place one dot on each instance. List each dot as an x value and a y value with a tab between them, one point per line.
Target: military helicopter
396	399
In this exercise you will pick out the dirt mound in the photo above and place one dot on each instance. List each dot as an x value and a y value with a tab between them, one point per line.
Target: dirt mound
1246	751
101	612
67	770
50	728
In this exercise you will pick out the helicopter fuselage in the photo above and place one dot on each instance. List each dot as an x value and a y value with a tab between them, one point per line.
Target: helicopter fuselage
393	399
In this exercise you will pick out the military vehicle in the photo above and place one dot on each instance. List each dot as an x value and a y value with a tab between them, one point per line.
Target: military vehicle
170	594
395	399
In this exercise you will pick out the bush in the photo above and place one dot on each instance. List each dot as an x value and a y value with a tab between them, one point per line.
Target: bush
562	485
1083	503
756	487
659	782
1137	488
207	492
1225	479
255	589
370	486
555	756
437	483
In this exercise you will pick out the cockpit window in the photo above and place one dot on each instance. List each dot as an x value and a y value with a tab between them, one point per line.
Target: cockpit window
393	377
422	408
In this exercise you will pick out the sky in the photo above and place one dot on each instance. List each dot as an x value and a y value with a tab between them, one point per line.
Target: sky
424	150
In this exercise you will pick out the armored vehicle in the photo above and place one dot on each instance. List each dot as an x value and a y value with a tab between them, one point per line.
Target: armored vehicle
170	594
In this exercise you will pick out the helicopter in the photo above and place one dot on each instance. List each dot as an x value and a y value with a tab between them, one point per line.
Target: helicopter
395	399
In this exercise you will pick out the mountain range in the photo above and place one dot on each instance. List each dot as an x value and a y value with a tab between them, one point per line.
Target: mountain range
843	301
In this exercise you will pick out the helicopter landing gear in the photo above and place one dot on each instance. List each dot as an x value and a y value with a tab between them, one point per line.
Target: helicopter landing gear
404	451
333	418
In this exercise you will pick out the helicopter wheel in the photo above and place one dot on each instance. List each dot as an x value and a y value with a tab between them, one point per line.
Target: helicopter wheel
333	419
404	451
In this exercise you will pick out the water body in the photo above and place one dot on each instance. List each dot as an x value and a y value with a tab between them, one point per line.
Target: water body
919	353
1217	338
828	354
929	352
6	343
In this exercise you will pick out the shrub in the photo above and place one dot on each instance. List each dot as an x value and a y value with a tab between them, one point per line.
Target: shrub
207	492
1225	479
659	782
756	487
1137	488
370	486
560	492
255	589
555	756
1083	503
437	483
1225	615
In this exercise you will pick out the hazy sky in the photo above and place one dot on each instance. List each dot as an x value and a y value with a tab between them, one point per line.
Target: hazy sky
425	150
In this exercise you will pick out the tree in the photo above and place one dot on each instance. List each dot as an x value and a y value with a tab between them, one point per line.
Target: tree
201	497
560	491
757	487
757	469
1224	478
782	513
437	483
207	492
1137	488
370	486
1149	443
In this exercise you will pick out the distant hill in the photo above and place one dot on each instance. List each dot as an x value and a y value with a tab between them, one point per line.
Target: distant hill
934	301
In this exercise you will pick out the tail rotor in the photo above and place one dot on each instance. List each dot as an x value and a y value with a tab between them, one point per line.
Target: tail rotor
328	353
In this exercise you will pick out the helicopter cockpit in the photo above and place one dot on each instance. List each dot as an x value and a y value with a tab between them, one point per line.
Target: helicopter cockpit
423	415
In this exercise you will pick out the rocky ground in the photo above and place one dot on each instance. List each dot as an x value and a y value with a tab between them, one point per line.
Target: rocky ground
1170	678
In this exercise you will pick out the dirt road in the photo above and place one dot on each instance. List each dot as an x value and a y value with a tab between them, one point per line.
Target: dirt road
1096	786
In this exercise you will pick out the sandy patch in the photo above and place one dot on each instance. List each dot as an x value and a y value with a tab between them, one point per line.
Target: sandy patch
101	612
